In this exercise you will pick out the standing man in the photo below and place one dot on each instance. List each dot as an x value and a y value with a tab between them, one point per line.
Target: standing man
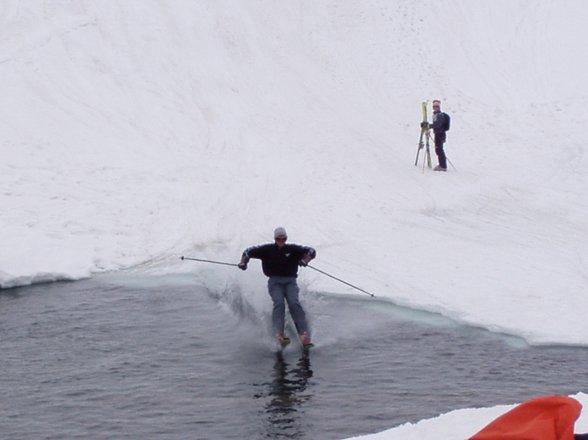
279	262
440	126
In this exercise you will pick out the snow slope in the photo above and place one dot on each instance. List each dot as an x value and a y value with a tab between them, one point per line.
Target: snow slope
459	424
136	131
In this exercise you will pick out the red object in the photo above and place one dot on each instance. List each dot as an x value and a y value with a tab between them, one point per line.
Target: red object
544	418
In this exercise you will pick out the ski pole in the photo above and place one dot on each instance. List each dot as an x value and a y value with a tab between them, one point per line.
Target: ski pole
339	279
208	261
450	163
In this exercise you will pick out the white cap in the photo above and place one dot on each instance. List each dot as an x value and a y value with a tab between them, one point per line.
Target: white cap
280	232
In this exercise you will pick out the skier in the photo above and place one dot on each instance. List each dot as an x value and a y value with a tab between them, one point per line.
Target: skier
440	125
279	262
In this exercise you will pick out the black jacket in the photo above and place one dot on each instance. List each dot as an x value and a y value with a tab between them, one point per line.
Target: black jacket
276	261
440	125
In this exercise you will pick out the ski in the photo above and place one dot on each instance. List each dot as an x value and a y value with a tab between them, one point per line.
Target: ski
424	138
421	143
427	136
283	341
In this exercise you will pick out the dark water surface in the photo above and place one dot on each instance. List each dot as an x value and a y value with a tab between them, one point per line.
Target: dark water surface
116	358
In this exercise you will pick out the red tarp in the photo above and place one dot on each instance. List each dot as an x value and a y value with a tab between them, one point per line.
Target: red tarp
544	418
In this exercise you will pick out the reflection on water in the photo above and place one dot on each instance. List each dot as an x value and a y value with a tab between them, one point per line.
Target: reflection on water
286	394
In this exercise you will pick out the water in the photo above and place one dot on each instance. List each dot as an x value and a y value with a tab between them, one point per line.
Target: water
126	358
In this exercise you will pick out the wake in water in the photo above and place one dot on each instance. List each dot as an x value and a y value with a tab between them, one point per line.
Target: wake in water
334	320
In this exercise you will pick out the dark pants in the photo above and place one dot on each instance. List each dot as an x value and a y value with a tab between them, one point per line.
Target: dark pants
439	141
285	290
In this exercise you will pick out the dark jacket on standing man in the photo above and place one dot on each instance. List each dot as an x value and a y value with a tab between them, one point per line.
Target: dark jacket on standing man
440	126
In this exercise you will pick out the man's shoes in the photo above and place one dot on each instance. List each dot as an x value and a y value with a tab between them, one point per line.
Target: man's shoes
282	340
439	168
305	339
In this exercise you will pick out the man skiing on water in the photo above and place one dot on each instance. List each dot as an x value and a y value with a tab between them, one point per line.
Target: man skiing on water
279	262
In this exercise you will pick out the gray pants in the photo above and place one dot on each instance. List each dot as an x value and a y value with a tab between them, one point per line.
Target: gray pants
282	290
